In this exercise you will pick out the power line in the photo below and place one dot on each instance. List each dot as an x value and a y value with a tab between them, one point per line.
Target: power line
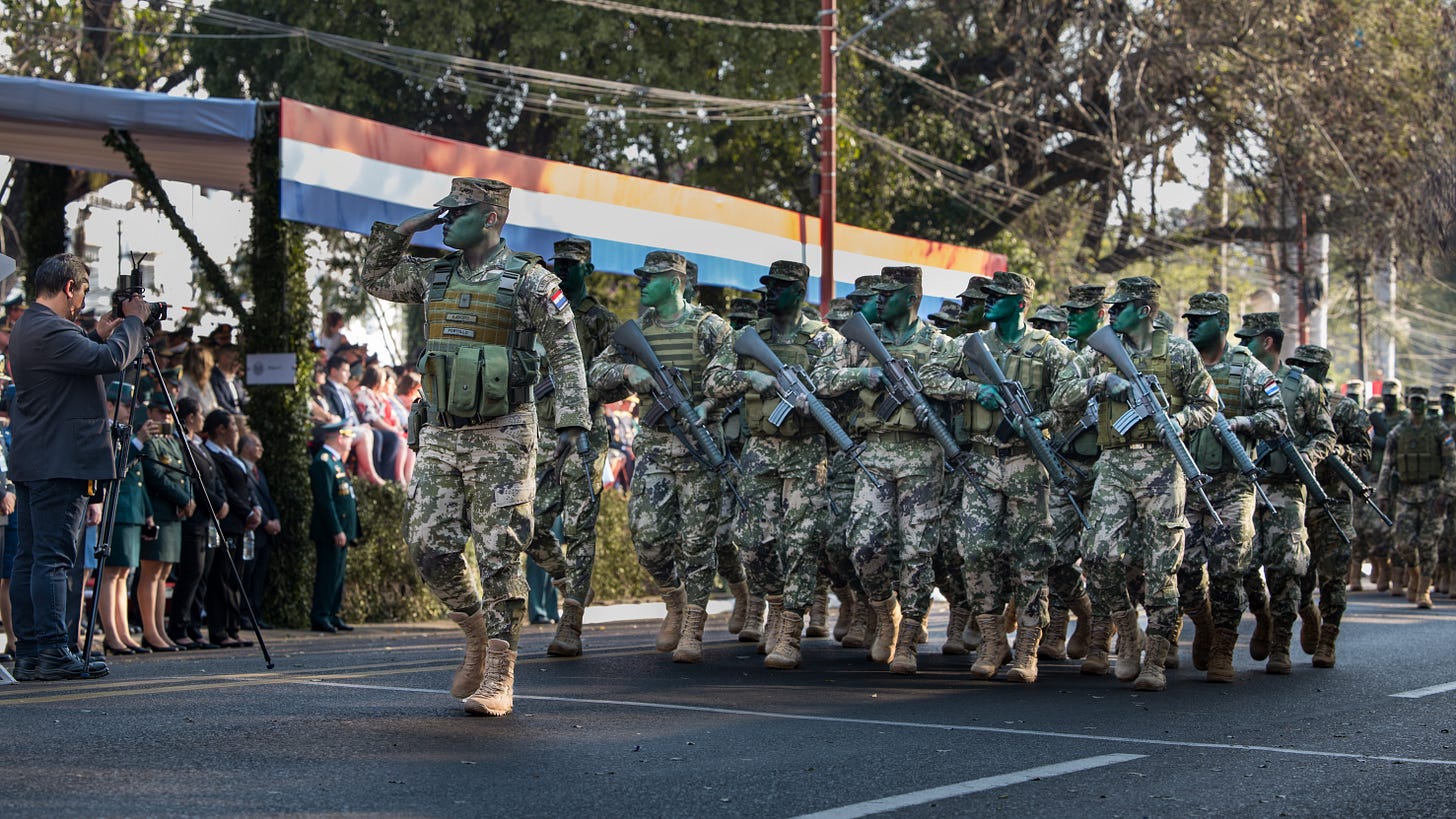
648	11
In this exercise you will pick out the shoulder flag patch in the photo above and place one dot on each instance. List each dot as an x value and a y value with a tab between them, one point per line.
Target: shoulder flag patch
557	299
1272	388
1448	441
1212	390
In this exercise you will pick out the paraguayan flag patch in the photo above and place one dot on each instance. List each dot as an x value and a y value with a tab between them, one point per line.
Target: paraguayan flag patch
557	299
1272	388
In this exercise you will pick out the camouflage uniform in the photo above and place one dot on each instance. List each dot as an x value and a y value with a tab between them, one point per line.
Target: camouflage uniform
1050	318
1136	515
1005	538
1420	473
948	318
474	480
899	520
838	564
1446	553
1380	539
784	469
864	290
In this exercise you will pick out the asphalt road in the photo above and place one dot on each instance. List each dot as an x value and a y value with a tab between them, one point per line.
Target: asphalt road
361	723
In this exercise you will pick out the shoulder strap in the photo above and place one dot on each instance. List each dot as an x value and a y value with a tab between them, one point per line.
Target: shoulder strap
440	274
1160	344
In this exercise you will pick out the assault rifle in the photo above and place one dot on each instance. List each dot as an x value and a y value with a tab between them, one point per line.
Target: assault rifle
1147	402
1284	445
1358	487
672	406
902	387
796	394
1018	415
1231	443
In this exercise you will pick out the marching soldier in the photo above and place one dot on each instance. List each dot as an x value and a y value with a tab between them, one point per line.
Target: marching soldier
1365	517
973	305
863	297
851	623
1388	571
1420	474
474	480
1050	318
948	318
1136	515
1447	553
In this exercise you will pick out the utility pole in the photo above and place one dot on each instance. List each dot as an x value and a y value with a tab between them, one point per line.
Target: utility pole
828	147
1360	320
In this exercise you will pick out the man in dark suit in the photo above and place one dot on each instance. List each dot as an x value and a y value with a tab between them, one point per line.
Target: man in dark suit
61	448
196	563
255	574
226	387
224	588
334	526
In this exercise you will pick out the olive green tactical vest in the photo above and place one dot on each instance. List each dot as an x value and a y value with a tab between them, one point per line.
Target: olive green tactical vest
1228	376
916	352
1157	363
476	365
1024	362
794	352
1291	389
678	350
1418	459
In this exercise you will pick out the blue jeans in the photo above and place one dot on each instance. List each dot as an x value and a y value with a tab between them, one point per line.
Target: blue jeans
45	588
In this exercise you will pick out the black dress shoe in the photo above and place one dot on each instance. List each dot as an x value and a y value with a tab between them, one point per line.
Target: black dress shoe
324	627
141	649
117	652
63	664
151	646
202	645
25	669
341	625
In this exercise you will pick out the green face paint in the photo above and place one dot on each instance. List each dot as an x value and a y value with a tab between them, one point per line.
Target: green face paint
1128	318
1206	334
1003	308
465	227
1083	323
657	290
572	274
895	304
785	299
871	311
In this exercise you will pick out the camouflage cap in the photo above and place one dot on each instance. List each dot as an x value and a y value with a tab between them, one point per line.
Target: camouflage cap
1135	288
121	388
471	191
1257	324
899	277
1083	296
1413	393
1049	312
950	311
1448	389
744	308
794	272
840	310
1210	303
1391	386
1310	355
663	261
975	288
864	286
578	249
1007	283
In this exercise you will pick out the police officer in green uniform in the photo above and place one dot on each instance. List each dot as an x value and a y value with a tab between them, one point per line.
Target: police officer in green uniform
335	522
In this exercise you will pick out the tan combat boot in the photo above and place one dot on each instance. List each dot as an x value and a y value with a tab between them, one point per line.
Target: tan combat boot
785	653
1324	653
1099	638
1170	657
671	628
862	627
1153	677
1280	635
1259	642
1353	579
567	642
1422	586
887	624
1053	644
1412	583
773	623
1202	616
752	630
1380	573
1023	668
904	661
739	615
955	633
972	633
1221	656
1397	581
690	642
819	615
922	635
1442	583
1129	650
992	647
845	618
1309	627
472	668
496	695
1077	645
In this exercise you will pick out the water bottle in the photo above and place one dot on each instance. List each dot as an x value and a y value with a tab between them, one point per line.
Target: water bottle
248	541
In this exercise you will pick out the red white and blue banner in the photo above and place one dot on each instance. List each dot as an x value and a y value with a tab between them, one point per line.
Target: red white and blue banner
346	172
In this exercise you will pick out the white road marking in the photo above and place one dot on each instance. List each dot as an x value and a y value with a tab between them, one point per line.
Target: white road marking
1417	693
906	800
978	729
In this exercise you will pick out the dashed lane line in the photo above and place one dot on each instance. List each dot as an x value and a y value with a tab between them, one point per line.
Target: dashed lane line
1429	690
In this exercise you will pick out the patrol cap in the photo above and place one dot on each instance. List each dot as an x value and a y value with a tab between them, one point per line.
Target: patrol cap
1310	355
950	311
118	388
897	278
744	308
158	400
1355	387
573	248
864	286
1413	393
173	374
1390	387
663	261
1209	303
786	271
16	297
1257	324
1008	283
840	310
325	430
471	191
975	288
1135	288
1448	389
1051	313
1083	296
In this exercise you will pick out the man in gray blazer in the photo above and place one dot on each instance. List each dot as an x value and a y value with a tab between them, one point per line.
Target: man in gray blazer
61	451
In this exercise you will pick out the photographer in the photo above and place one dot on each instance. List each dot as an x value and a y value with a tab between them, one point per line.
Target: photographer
62	449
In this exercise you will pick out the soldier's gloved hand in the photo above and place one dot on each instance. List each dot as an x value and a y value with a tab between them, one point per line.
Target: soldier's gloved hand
1242	424
637	378
761	383
1115	386
989	397
1177	427
703	409
568	440
870	377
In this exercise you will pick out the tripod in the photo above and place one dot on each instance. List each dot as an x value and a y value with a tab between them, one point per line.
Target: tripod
121	435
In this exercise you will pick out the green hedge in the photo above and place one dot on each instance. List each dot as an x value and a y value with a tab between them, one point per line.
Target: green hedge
618	577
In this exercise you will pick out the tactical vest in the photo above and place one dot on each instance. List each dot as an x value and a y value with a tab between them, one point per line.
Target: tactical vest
1291	390
1156	363
916	352
794	352
1228	377
476	364
1418	459
678	350
1024	362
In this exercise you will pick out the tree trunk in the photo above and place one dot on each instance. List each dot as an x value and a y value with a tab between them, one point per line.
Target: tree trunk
43	217
1383	342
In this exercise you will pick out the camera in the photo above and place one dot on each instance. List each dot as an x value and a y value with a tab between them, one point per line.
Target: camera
133	284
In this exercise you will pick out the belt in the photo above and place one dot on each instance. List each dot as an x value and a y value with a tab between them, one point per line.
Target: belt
896	435
993	451
448	421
